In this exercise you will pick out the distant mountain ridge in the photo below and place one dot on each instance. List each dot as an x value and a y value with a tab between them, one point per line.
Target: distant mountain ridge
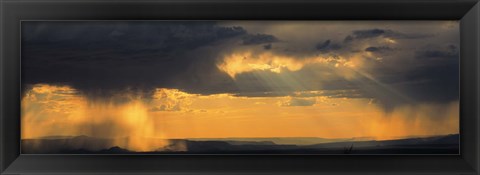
448	144
285	140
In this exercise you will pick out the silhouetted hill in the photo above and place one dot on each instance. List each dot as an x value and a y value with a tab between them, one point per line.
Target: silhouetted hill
283	140
435	140
448	144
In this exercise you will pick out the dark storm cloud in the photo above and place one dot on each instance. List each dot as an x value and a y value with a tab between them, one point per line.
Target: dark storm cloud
378	49
438	77
374	33
433	83
267	46
252	39
450	51
434	78
408	84
359	34
98	57
327	46
426	84
110	57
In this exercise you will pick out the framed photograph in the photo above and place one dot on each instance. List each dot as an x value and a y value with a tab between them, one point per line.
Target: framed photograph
254	87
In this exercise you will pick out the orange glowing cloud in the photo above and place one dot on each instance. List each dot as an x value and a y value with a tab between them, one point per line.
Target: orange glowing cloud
238	63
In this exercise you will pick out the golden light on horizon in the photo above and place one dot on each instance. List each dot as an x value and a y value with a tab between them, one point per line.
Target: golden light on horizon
49	110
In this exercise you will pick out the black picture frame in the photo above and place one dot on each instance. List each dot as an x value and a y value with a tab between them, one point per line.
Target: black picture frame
14	11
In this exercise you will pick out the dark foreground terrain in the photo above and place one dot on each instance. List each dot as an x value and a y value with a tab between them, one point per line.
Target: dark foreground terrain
448	144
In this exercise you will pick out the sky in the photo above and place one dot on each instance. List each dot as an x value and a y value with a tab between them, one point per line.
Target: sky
218	79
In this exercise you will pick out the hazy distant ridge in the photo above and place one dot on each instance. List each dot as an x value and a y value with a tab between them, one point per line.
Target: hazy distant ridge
447	144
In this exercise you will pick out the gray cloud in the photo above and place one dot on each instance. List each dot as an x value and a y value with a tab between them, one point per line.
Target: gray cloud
299	102
253	39
378	49
374	33
327	46
370	33
267	46
449	52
